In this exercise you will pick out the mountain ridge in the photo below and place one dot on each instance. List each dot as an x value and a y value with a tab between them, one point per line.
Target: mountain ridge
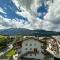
27	32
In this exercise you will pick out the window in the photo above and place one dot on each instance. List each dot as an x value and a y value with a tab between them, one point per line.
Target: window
30	44
26	48
35	49
30	48
26	44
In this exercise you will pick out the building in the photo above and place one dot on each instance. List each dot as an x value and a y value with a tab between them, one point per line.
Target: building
29	48
42	48
53	47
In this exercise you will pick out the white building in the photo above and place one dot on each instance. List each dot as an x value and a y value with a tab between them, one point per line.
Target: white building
29	48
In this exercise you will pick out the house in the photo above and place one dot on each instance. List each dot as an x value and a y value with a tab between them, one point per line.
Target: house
29	48
53	47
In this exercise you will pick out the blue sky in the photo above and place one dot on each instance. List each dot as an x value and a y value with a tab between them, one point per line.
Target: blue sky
42	9
10	10
36	14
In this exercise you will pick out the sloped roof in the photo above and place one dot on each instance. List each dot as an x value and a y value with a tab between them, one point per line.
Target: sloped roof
57	38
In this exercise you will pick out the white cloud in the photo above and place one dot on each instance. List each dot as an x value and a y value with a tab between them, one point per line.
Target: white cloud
53	16
16	3
29	10
1	10
2	27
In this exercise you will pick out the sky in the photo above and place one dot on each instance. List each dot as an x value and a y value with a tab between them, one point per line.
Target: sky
30	14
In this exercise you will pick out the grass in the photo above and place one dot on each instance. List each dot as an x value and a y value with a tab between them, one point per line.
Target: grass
3	38
11	53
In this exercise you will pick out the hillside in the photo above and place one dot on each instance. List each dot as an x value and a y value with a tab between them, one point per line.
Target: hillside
27	32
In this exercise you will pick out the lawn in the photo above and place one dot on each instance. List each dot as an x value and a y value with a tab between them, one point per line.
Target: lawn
3	38
11	53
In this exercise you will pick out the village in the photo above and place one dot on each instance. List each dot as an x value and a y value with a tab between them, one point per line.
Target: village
31	48
29	29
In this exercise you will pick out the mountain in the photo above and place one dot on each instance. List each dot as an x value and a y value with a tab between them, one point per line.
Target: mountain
45	33
27	32
15	31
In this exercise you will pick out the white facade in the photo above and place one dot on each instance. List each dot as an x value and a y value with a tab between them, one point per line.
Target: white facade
31	45
32	48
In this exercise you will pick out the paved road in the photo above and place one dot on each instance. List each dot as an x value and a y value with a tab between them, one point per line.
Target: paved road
6	49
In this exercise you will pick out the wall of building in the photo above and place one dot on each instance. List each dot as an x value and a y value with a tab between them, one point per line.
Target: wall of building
29	45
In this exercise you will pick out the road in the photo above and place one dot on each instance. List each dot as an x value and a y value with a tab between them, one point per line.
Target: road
10	46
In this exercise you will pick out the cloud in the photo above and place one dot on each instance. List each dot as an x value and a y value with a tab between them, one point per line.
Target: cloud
1	10
28	4
53	16
29	11
50	21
